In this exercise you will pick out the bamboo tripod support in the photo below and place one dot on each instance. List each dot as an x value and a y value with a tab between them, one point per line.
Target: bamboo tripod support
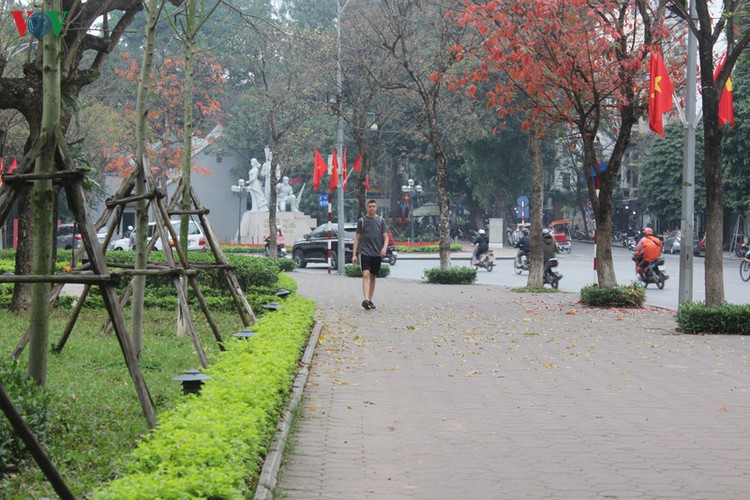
98	272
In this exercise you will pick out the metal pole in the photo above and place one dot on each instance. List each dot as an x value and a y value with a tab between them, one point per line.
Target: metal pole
239	220
411	220
340	142
688	172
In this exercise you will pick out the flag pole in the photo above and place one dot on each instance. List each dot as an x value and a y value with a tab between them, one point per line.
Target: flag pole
685	293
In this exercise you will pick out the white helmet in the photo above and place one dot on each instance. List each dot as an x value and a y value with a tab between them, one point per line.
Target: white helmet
545	231
481	231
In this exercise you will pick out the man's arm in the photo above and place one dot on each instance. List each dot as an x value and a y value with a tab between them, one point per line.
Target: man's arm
384	250
354	249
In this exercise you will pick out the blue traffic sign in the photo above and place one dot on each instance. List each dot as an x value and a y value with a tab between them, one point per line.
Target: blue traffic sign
322	200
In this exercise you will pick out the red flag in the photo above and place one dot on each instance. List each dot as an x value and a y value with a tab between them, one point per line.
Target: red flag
13	165
726	102
661	91
343	161
2	169
319	170
367	182
357	164
334	171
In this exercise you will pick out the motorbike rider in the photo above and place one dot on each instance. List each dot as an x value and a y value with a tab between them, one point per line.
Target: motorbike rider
648	251
482	242
524	247
549	247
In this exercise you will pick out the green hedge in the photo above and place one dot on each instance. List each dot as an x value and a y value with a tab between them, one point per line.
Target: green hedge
227	249
354	271
455	247
697	317
258	277
633	295
212	446
460	275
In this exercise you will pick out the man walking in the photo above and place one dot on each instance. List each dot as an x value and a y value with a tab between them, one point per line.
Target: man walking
371	241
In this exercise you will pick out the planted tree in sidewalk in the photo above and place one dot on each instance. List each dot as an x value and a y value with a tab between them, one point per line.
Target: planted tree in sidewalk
418	38
574	62
728	28
279	97
141	241
44	201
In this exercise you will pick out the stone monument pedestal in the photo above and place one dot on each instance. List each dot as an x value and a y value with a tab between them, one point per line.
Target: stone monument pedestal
294	225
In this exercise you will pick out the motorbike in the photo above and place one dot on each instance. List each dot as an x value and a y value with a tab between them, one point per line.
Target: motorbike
280	249
391	254
656	274
551	276
524	266
629	243
740	250
486	260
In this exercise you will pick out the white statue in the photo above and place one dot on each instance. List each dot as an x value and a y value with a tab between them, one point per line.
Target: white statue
265	172
284	195
260	202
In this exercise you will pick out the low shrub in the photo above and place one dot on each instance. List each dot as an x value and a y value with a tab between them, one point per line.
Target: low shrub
286	265
354	271
212	446
247	248
32	402
461	275
425	247
697	317
633	295
534	290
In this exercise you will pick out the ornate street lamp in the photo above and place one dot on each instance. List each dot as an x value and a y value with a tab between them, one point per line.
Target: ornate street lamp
240	190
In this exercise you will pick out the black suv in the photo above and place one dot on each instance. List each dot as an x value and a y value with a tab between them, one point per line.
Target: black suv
314	246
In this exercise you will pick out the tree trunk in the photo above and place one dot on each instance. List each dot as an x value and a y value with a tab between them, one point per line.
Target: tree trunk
536	268
43	206
21	301
714	261
187	162
444	203
141	255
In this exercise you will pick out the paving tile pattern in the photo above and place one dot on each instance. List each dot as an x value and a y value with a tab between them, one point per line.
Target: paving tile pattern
479	392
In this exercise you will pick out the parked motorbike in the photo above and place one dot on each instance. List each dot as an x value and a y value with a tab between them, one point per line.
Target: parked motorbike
654	275
391	254
486	260
280	249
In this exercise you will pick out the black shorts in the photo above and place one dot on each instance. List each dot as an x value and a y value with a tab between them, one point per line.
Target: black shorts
370	263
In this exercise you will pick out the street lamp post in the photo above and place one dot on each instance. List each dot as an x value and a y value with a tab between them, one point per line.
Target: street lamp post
241	191
411	189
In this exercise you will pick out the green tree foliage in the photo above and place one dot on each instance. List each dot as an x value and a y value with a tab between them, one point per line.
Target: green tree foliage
661	176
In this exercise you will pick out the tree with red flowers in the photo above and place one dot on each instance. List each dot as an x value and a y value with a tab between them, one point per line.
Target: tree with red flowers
573	62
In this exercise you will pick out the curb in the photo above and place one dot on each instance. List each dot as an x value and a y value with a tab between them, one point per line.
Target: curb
272	463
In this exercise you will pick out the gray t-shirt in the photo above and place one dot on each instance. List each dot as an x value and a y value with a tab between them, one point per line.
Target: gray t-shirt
371	233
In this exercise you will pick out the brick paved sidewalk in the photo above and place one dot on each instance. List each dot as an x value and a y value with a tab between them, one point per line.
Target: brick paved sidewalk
478	392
